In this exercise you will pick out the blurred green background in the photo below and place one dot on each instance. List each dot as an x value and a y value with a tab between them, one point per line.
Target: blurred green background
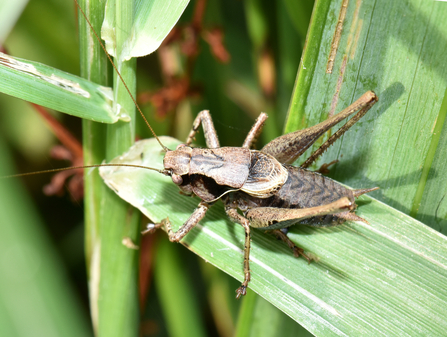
255	39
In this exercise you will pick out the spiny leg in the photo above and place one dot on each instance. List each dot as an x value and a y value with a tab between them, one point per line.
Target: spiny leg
255	130
266	216
236	217
271	218
297	251
204	118
362	191
290	146
365	105
192	221
274	218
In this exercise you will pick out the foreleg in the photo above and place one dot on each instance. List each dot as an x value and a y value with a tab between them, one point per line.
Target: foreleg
204	118
324	169
255	131
193	220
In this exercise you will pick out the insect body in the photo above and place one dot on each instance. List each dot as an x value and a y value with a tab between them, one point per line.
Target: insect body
270	194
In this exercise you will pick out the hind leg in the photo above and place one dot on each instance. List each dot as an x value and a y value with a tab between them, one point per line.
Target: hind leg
297	251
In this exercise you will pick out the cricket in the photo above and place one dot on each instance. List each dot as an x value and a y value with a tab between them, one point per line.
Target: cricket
259	188
271	194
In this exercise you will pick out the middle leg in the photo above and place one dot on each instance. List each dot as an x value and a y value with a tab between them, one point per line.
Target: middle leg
236	217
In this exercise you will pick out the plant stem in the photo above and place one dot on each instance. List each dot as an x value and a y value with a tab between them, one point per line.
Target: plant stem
112	267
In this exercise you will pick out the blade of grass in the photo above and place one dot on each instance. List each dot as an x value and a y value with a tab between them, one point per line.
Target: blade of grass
220	289
56	89
34	287
430	206
9	13
268	321
341	246
118	285
246	314
96	69
175	292
153	20
364	274
113	267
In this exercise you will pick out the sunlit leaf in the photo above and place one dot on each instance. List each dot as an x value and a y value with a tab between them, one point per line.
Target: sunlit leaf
364	273
153	21
57	90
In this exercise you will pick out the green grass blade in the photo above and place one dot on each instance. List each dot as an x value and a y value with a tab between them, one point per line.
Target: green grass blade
56	89
385	278
258	317
113	267
364	272
398	145
174	289
152	22
120	220
246	314
36	295
431	206
94	68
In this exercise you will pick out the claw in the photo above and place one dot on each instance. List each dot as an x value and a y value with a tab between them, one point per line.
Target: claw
297	251
241	291
152	227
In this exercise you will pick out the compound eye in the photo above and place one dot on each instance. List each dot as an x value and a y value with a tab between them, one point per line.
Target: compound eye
179	146
176	179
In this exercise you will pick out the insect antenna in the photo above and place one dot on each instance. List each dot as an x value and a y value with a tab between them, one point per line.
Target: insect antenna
165	149
165	172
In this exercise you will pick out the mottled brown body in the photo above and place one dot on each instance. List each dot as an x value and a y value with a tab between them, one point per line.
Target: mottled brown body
271	194
303	189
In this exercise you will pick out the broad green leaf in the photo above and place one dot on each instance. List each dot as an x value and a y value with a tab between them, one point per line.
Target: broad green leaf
57	90
390	273
153	21
400	144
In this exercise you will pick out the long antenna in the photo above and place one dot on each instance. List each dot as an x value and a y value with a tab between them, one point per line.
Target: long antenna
165	172
121	78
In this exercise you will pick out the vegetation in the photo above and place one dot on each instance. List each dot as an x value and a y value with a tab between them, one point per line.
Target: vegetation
235	59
